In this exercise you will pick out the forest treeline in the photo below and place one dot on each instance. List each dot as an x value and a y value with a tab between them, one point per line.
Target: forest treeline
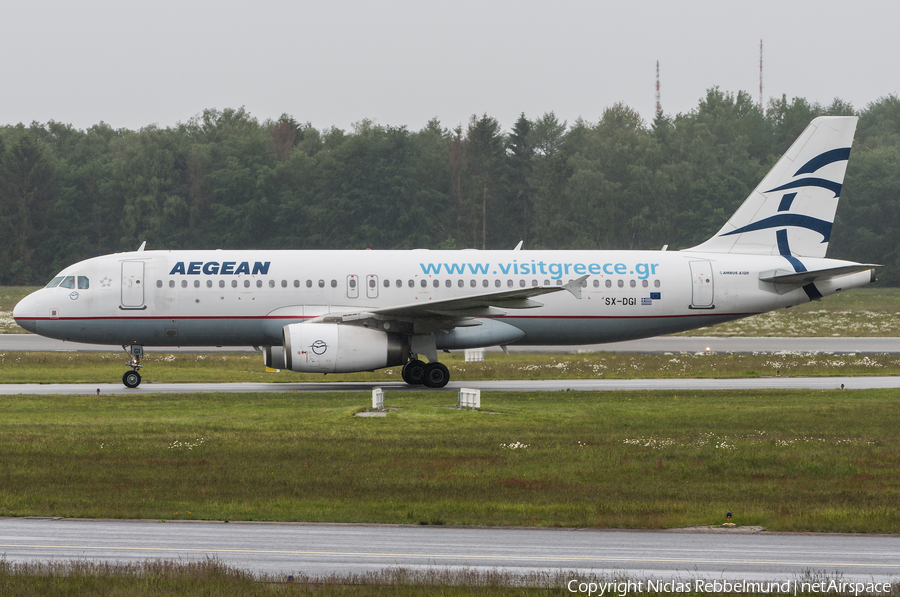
227	180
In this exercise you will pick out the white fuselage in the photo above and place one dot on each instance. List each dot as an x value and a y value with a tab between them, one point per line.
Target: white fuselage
240	298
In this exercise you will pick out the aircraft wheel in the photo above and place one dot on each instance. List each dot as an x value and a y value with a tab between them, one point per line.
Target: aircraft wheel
436	375
131	379
413	372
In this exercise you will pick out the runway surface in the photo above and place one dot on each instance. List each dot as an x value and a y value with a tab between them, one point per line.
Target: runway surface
318	549
538	385
31	342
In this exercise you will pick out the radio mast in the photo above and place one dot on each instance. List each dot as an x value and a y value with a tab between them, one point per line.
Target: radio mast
760	77
658	105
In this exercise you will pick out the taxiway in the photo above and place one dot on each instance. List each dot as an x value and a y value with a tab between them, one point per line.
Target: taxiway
319	549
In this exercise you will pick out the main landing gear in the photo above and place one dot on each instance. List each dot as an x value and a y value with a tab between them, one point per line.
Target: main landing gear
431	375
132	379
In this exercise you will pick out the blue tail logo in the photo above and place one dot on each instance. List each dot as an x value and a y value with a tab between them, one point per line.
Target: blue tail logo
783	218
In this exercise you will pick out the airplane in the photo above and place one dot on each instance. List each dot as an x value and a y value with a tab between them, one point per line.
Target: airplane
349	311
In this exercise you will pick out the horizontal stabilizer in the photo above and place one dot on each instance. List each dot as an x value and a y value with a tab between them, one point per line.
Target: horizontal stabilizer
801	278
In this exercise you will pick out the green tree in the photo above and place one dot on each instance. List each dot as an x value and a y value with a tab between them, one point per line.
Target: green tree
484	182
520	158
28	186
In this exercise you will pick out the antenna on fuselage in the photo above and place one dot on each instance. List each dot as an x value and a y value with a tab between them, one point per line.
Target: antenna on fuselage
519	246
141	248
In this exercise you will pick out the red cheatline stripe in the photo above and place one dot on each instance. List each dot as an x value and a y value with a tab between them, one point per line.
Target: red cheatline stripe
258	317
625	316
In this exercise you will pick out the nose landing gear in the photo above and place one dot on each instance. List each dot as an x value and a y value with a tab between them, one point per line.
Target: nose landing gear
132	379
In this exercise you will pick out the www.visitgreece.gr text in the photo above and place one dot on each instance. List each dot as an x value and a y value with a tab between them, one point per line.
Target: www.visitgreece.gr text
528	268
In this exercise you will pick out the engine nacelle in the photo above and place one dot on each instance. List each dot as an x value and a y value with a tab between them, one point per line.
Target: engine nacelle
334	348
273	357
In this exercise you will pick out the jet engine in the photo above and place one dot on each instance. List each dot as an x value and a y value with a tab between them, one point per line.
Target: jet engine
273	357
334	348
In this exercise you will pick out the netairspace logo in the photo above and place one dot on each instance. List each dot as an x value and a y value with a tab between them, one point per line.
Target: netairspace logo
534	268
791	587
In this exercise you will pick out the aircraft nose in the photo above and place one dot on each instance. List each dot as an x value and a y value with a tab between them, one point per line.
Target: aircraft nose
25	313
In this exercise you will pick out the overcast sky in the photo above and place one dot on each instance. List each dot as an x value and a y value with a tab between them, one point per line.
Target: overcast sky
401	62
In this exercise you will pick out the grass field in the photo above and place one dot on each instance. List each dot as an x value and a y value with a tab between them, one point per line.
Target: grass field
861	312
168	578
54	367
788	460
49	367
855	313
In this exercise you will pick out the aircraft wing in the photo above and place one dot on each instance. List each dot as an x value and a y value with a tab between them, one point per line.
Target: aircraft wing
454	311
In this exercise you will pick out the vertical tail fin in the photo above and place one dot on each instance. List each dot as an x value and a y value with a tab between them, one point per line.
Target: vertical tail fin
791	212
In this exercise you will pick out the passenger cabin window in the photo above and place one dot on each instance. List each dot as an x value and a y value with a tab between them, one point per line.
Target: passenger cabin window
412	283
437	284
609	283
83	283
334	283
209	283
321	283
656	283
284	283
387	283
159	283
645	283
246	283
54	282
621	283
448	283
221	283
271	283
196	283
596	283
234	283
632	283
461	283
184	283
171	283
424	283
68	282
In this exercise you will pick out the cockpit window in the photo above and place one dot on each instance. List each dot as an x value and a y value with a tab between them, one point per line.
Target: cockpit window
54	282
83	282
69	282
